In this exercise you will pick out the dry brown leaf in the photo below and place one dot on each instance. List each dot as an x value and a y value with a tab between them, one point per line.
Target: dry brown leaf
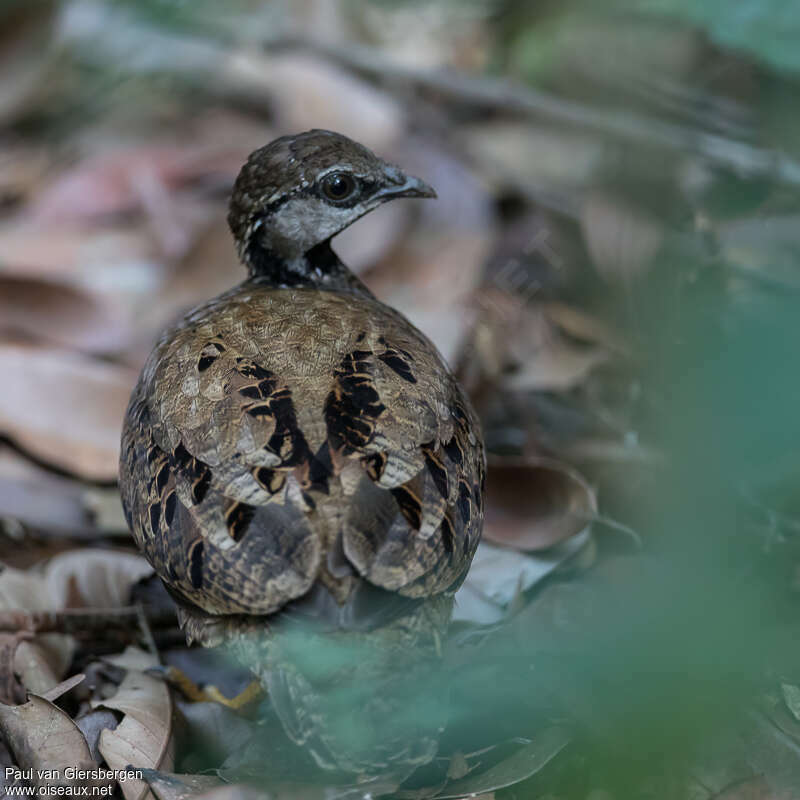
43	738
209	267
40	662
518	153
51	695
133	658
39	498
435	300
521	346
144	737
81	578
21	589
112	182
84	578
12	691
93	578
371	238
61	314
309	92
621	240
64	408
105	507
581	325
60	252
557	366
534	503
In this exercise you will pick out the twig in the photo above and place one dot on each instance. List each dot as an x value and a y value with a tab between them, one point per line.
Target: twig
147	632
608	522
53	694
80	620
505	96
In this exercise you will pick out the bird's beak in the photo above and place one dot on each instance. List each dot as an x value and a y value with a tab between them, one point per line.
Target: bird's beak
404	186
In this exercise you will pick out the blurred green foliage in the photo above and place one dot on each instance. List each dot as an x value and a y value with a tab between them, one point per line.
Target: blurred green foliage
652	658
770	29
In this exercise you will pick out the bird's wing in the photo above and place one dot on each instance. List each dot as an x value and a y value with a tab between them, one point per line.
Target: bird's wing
415	514
242	482
210	445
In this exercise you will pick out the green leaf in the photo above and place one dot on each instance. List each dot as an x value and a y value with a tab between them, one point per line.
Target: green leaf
769	29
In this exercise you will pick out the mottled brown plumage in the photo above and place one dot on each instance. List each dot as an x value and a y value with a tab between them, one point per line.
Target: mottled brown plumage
295	439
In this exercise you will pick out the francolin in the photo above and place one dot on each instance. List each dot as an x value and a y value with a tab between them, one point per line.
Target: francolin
295	444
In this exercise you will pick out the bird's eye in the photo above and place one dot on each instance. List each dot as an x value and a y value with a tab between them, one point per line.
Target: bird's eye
338	186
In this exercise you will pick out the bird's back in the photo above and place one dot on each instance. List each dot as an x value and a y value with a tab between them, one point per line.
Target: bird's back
284	438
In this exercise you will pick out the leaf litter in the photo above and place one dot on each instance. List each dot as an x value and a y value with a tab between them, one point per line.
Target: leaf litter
527	276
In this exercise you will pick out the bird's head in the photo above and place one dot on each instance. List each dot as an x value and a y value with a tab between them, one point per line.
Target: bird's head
299	191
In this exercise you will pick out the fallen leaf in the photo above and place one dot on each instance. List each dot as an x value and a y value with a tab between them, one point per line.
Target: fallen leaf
435	300
535	503
105	507
83	578
144	737
133	658
12	691
527	761
521	346
367	241
44	738
94	578
209	267
92	724
39	498
621	240
520	154
40	662
581	325
79	254
559	367
171	786
498	576
51	695
7	761
309	92
64	408
110	183
61	314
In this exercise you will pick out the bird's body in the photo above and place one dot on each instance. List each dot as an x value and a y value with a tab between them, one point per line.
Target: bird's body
295	437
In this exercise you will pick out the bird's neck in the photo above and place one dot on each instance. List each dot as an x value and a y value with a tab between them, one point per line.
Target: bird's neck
319	268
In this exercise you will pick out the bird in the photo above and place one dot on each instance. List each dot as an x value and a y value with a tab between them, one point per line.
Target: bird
295	446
